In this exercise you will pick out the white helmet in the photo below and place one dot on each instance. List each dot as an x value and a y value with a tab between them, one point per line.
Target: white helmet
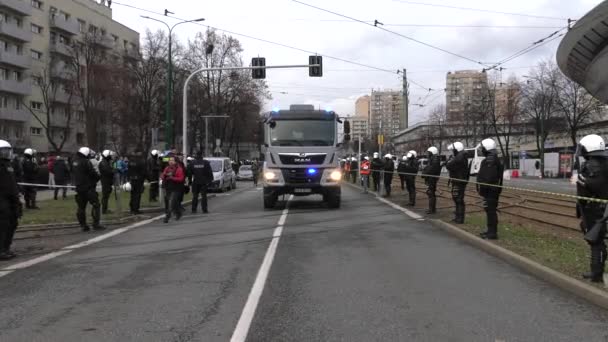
354	158
458	146
6	150
405	157
488	144
433	150
126	187
343	160
106	153
154	153
388	156
85	151
376	155
450	147
366	158
592	143
28	152
190	159
413	153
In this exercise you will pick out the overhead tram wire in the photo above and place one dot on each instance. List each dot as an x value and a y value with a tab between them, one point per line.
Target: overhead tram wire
393	32
436	25
479	10
265	40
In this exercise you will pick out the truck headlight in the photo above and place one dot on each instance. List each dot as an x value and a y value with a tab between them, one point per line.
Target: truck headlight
335	175
270	175
331	177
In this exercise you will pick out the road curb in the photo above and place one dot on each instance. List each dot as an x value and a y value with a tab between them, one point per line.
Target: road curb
572	285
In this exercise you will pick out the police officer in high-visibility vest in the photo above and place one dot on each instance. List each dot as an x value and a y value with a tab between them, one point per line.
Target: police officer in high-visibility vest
458	168
366	170
592	182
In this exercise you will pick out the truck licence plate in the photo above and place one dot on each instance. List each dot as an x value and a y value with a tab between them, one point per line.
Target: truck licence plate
303	191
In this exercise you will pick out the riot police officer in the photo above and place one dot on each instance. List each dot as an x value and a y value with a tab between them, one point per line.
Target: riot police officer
490	172
389	169
154	175
411	168
137	175
593	183
377	167
458	167
30	175
200	170
431	176
106	172
10	205
402	170
85	180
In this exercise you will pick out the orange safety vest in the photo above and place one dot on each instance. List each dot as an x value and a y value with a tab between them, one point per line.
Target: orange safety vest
366	168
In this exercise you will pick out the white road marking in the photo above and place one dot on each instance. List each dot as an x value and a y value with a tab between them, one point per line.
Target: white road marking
244	323
400	208
7	270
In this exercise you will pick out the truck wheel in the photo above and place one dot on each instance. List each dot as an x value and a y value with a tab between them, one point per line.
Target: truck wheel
333	199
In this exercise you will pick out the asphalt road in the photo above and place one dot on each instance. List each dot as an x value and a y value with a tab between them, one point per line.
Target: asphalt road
558	185
365	272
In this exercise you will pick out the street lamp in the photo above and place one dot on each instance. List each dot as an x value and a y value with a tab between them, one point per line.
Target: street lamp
168	128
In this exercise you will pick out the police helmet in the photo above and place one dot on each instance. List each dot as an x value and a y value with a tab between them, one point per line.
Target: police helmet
376	155
6	150
405	157
84	151
413	153
154	153
28	152
366	158
458	146
450	147
488	144
433	150
106	153
592	143
388	156
127	187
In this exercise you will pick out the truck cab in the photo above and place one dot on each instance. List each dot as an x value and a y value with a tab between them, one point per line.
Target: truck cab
301	155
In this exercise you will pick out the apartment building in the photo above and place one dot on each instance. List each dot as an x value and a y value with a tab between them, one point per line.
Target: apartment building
359	127
362	107
36	39
465	91
386	116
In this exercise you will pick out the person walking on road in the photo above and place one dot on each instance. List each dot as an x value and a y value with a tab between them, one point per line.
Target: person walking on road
366	170
411	168
173	177
402	170
30	175
200	176
62	176
85	180
592	182
458	167
490	172
137	176
377	167
389	169
431	176
255	172
154	175
107	179
10	204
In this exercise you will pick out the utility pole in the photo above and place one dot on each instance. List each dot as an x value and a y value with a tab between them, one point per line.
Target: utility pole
406	101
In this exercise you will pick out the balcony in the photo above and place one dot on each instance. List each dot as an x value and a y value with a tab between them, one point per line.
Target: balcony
16	87
69	26
19	61
20	6
63	71
131	54
61	49
15	32
21	115
62	96
104	41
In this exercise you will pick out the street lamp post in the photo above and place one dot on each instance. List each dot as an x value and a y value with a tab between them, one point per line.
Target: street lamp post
168	128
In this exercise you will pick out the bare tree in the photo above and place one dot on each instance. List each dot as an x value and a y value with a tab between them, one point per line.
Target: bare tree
504	112
436	133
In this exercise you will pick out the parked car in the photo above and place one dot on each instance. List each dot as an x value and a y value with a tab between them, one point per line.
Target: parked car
245	173
223	175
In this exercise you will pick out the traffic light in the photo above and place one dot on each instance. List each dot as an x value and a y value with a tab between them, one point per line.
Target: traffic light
346	130
258	74
316	71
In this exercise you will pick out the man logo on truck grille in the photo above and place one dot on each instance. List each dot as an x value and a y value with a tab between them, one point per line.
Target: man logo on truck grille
302	160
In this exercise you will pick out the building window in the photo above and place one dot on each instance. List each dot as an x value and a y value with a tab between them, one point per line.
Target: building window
93	29
36	29
16	76
3	74
82	25
65	16
36	55
36	105
35	131
37	4
80	115
3	102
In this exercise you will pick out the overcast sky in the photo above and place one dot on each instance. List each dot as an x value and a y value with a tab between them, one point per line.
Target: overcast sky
290	23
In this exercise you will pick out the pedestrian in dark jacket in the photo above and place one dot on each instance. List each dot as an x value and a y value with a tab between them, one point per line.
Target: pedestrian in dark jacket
402	170
458	168
490	172
173	178
10	205
389	169
62	176
106	172
431	175
154	175
200	176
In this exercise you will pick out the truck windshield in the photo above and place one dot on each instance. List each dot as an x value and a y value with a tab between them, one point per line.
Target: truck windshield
303	133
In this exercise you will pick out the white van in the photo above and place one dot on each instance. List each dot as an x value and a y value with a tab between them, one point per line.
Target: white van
223	174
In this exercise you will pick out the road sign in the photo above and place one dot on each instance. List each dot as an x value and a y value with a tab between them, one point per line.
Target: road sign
380	139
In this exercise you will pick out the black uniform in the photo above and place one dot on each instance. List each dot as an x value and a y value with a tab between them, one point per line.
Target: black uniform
137	176
401	170
458	167
18	171
62	176
200	170
377	166
153	177
10	208
30	175
85	180
354	170
430	174
410	179
107	181
255	172
389	169
594	183
490	172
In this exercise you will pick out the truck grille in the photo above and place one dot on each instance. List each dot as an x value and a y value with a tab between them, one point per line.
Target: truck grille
288	159
301	176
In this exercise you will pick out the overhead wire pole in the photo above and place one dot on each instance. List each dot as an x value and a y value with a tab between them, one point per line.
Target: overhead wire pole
406	100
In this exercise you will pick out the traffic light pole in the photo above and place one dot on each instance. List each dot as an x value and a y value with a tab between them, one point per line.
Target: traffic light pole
185	91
